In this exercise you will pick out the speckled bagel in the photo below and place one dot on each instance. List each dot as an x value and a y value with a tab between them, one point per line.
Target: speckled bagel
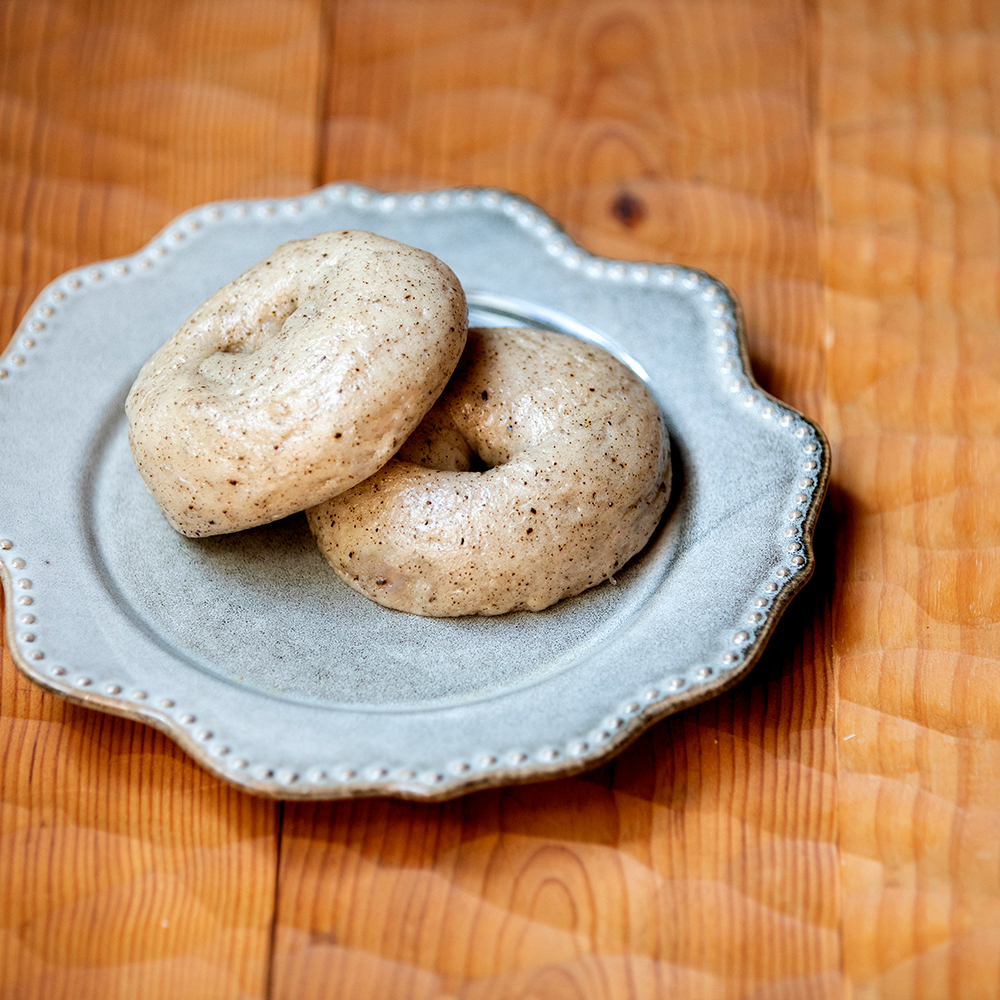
296	381
576	478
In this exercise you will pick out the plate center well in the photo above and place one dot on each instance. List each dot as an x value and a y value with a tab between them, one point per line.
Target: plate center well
262	608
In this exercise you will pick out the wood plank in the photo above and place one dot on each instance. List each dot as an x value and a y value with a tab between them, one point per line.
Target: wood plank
911	213
127	870
119	115
675	131
703	862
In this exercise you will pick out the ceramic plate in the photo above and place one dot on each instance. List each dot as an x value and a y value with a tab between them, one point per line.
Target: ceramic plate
252	654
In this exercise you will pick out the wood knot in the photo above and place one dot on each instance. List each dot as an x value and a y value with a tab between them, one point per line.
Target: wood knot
628	209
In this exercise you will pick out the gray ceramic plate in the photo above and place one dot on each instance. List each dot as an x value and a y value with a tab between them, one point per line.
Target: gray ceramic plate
246	648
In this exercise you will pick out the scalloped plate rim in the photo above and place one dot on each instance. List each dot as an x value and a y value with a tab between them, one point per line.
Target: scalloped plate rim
497	774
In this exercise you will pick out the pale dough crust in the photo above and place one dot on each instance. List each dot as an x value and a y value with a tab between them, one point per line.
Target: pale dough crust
578	478
296	381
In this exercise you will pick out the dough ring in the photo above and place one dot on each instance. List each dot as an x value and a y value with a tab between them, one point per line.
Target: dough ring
577	473
296	381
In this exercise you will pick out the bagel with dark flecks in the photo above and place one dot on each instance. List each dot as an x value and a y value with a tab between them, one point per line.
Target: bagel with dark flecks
295	381
575	474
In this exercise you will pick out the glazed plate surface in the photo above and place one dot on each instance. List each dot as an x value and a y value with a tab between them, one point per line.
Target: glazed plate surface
251	653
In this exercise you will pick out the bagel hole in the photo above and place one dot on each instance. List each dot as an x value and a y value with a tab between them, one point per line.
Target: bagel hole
251	339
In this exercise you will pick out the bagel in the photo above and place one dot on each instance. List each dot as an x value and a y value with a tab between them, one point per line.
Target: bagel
575	476
295	381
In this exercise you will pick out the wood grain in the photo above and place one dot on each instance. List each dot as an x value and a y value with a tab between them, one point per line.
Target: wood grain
125	870
828	828
119	115
128	871
703	862
666	131
912	221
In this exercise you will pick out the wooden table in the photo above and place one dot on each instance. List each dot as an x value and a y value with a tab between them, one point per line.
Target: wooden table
828	828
